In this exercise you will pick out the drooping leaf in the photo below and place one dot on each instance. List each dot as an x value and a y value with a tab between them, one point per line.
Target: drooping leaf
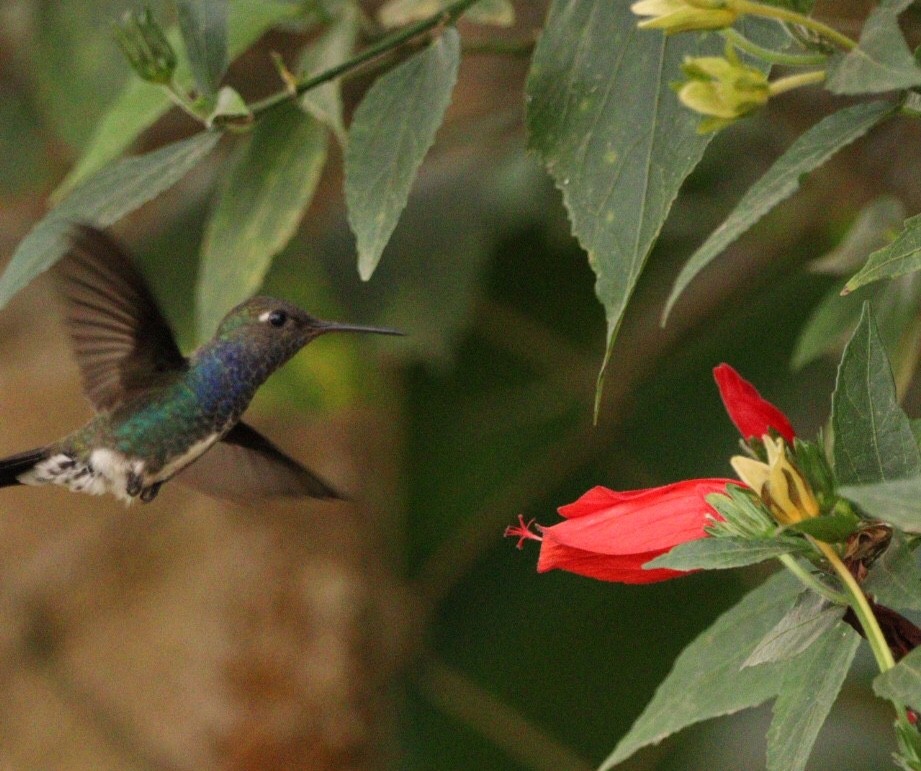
333	47
612	134
139	105
873	441
895	578
707	679
897	501
204	30
808	689
882	61
902	683
807	153
809	618
721	553
898	258
392	130
259	208
101	200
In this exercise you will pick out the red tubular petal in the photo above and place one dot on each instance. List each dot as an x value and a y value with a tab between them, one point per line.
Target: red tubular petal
623	569
752	415
645	521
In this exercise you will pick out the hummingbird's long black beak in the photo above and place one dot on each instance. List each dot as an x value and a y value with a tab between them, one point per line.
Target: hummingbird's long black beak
335	326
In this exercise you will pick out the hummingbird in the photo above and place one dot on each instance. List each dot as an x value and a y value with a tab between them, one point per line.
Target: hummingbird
160	414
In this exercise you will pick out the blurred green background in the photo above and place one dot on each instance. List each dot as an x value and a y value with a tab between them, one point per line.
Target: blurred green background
401	630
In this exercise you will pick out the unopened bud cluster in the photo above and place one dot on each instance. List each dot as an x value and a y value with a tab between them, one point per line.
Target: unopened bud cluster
144	44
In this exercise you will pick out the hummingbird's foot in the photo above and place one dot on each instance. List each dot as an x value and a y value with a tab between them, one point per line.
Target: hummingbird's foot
133	484
149	493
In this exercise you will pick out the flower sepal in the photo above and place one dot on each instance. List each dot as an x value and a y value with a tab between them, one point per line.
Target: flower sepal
835	527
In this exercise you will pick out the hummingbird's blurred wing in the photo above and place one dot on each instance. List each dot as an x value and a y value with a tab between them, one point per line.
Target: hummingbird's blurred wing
246	467
122	343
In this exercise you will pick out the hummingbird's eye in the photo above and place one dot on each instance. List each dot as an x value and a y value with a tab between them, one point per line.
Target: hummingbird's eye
277	318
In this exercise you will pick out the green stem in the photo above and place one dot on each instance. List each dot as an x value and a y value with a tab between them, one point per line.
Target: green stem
182	101
868	622
782	85
448	15
783	14
862	609
769	55
810	581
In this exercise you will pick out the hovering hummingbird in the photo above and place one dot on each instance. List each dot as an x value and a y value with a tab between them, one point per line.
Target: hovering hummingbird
159	414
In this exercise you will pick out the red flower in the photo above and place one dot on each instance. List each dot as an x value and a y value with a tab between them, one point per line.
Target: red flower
752	415
610	535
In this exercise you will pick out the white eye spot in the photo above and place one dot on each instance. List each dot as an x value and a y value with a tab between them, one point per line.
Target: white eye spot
264	316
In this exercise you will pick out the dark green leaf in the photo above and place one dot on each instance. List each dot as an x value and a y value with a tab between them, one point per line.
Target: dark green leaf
902	683
707	679
882	61
720	553
259	208
807	153
895	578
898	258
809	687
104	198
141	104
204	30
613	136
809	618
873	441
897	501
392	130
831	528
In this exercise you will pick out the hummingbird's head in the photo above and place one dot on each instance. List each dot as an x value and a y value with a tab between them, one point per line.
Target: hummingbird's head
278	329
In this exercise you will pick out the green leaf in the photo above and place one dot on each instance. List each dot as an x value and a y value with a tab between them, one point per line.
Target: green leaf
259	208
881	62
897	501
140	104
875	225
333	47
873	440
895	578
902	683
720	553
612	134
707	679
809	687
809	618
74	65
830	528
807	153
102	199
898	258
392	130
204	30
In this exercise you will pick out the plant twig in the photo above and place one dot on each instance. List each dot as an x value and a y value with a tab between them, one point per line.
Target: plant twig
448	15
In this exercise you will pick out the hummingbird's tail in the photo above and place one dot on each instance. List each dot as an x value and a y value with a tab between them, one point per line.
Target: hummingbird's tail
14	465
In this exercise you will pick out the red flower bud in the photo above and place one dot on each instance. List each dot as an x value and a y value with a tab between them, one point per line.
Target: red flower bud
610	535
752	415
